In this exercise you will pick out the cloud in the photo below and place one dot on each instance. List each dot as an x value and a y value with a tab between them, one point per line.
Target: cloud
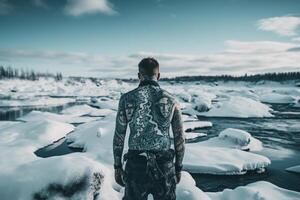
5	7
238	58
80	7
40	3
285	25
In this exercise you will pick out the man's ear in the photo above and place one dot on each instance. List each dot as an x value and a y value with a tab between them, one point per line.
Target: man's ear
139	76
158	76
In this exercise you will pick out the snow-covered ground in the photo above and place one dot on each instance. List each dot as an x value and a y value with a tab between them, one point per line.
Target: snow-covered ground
89	175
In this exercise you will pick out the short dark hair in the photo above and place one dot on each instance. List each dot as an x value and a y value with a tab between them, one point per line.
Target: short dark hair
148	66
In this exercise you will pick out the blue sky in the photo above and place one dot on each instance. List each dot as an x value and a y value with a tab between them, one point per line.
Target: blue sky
107	38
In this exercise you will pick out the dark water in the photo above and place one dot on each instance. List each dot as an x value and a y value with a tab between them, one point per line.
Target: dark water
278	134
12	113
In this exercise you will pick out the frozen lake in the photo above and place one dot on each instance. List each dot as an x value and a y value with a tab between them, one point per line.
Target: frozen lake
280	135
243	134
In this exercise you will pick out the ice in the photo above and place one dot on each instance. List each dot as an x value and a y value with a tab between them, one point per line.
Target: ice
192	125
235	138
107	104
193	135
186	118
94	135
4	124
19	141
219	160
38	115
277	98
80	110
83	175
225	155
73	176
187	190
240	107
295	169
260	190
43	101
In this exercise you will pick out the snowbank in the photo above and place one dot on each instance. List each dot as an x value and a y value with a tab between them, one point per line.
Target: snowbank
19	141
38	115
187	190
277	98
42	101
73	176
260	190
218	160
193	135
80	110
192	125
240	107
236	138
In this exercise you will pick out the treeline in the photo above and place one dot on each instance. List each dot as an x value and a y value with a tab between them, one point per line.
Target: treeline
281	76
11	73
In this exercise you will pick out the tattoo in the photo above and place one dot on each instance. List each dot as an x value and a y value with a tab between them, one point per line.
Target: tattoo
149	111
178	133
120	132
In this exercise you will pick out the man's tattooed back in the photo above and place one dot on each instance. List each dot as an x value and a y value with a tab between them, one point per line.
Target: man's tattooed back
149	111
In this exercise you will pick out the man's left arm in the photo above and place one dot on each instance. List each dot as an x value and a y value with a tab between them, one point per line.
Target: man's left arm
118	141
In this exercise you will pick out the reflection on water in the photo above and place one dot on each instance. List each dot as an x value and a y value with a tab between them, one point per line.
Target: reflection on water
12	113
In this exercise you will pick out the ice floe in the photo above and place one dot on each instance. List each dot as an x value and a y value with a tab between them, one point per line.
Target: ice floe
260	190
240	107
73	176
235	138
38	115
295	169
19	141
192	125
277	98
221	160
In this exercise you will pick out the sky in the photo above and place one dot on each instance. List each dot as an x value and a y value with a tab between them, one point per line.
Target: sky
107	38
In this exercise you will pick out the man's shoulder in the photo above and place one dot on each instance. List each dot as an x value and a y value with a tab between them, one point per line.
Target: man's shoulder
129	94
167	94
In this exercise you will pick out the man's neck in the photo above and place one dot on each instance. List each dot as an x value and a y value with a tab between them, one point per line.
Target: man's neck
149	81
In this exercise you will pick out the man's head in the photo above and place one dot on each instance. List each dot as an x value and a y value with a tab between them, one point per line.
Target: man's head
148	69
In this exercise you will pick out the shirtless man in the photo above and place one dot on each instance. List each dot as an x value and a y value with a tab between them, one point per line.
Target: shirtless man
153	161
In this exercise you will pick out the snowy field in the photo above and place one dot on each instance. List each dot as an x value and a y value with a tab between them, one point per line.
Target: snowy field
216	146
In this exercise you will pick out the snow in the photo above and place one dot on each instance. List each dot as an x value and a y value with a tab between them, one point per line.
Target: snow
221	161
187	190
260	190
43	101
19	141
23	174
193	135
80	110
277	98
74	176
186	118
38	115
192	125
295	169
240	107
236	138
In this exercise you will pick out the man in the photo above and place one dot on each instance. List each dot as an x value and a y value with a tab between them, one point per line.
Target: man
149	111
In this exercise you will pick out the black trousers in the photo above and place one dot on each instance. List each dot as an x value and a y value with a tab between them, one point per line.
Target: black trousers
144	176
